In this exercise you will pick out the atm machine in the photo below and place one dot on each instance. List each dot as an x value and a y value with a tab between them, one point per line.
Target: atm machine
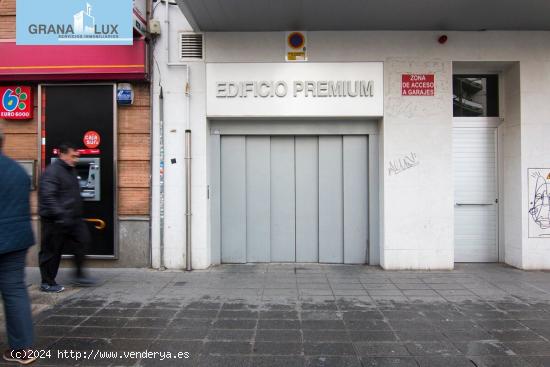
89	178
70	113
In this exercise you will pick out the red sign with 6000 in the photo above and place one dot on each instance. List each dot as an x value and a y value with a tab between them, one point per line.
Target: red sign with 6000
16	103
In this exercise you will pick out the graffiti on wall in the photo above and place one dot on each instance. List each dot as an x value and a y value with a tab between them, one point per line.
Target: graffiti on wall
539	202
402	164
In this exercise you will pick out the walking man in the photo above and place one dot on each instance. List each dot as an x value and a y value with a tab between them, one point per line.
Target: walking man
15	238
62	224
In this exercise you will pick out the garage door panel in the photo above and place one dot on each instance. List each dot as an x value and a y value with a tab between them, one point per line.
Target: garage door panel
283	200
233	199
258	199
355	171
331	203
307	196
294	199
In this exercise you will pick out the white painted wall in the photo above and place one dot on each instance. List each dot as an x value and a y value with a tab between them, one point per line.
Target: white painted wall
416	205
173	82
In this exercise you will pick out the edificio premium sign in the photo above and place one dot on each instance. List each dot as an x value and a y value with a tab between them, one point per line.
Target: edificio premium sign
276	90
280	88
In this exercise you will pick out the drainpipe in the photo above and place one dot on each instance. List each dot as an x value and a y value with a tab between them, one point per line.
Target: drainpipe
188	165
161	183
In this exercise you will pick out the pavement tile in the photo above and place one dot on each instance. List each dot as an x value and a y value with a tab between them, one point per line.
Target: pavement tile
190	323
432	348
227	348
230	335
411	324
537	361
91	332
277	361
278	324
490	325
156	312
372	336
107	322
321	315
382	349
444	361
196	314
500	361
467	335
76	311
49	330
116	312
147	322
515	335
238	314
62	320
274	349
362	315
333	362
420	335
137	333
371	325
532	348
325	336
279	335
279	314
483	347
235	324
223	361
323	324
328	349
389	362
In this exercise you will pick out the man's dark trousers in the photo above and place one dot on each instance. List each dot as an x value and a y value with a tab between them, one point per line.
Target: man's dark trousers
17	308
56	238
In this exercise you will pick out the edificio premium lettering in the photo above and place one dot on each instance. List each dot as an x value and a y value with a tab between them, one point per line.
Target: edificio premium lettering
319	88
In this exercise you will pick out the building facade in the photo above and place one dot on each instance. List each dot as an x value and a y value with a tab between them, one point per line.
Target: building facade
73	92
408	149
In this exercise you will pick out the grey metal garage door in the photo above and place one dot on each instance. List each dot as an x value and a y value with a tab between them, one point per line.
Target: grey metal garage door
294	199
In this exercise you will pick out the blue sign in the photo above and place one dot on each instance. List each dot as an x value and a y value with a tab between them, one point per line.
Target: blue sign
124	97
74	22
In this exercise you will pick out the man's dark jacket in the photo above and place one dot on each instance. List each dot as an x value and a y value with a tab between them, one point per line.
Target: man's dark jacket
15	214
59	194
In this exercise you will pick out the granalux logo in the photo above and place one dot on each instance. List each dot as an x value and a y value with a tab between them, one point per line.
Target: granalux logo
70	22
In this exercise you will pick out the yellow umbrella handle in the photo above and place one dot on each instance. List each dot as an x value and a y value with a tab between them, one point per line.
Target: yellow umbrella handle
99	224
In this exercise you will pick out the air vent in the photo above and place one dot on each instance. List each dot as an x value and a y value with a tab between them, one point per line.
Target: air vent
191	46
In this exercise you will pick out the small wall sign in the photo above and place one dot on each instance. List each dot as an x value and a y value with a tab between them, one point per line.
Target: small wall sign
16	103
296	46
91	139
418	85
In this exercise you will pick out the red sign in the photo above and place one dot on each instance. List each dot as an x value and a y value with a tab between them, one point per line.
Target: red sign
81	151
418	85
16	103
91	139
59	62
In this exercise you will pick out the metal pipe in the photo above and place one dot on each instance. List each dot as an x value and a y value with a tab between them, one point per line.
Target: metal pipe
188	199
161	175
188	178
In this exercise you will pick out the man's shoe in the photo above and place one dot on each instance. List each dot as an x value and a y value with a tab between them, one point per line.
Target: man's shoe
56	288
22	356
85	281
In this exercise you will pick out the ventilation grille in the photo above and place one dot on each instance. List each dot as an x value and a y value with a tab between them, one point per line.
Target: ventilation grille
191	46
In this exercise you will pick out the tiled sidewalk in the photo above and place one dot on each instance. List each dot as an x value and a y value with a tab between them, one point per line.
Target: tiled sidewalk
306	315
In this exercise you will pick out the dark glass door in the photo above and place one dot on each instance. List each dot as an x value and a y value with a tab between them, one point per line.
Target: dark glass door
84	115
